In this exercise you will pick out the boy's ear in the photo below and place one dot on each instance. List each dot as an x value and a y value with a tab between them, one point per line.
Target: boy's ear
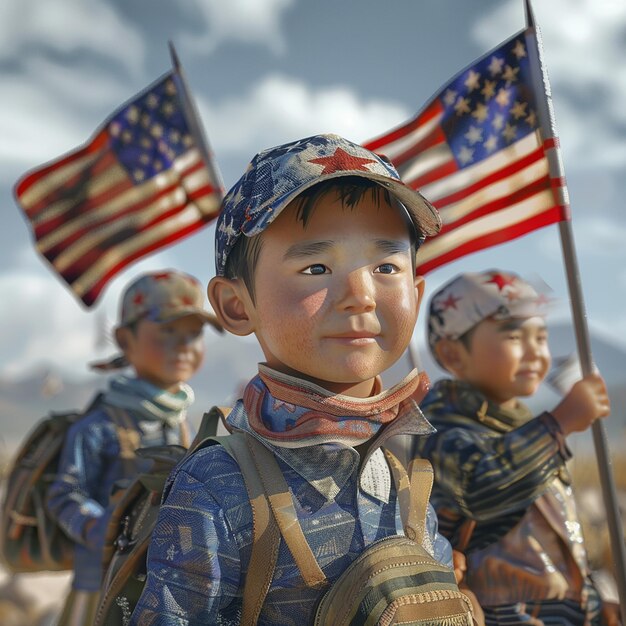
449	353
122	337
419	283
231	303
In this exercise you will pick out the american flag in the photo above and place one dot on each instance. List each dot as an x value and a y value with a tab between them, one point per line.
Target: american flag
476	152
139	184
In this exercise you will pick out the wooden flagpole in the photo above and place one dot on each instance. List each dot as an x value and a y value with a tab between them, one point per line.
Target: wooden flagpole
195	126
548	130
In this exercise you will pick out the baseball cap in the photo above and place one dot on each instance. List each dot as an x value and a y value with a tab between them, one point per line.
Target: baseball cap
470	298
161	296
277	175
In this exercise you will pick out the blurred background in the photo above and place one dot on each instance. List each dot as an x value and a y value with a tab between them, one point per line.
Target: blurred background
268	71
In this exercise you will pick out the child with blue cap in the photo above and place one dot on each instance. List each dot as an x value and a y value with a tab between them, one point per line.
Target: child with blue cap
315	256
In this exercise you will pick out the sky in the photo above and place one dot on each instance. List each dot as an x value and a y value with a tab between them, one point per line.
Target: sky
264	72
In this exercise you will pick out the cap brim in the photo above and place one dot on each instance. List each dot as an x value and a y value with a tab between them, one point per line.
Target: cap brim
207	317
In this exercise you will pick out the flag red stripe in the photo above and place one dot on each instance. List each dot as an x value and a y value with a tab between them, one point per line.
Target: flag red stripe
432	139
428	114
90	296
94	203
507	233
52	253
98	142
447	168
518	195
490	179
70	186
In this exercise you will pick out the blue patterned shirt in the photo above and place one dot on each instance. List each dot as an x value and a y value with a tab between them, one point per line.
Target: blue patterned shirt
201	545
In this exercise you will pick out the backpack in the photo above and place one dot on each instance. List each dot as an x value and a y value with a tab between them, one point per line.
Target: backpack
394	581
30	539
131	524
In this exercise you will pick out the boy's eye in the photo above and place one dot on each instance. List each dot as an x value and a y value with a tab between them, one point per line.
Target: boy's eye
387	268
316	269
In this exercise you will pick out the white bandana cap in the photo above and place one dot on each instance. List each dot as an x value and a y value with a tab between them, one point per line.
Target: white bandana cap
472	297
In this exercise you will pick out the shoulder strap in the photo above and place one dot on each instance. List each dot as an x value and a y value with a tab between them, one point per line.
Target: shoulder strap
266	535
413	493
127	433
286	517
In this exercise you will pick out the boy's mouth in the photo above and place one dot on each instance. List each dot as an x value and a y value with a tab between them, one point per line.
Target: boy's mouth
355	337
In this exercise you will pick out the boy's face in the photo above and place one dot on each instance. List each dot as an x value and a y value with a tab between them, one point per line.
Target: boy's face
164	353
506	358
336	302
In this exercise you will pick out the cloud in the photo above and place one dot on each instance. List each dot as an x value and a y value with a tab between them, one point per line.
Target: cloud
245	21
44	114
584	51
41	28
279	109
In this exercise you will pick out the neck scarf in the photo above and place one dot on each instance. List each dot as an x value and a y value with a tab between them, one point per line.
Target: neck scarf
148	401
293	413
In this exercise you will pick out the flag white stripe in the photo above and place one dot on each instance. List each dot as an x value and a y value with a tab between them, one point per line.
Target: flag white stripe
113	176
472	173
38	190
428	160
136	220
535	205
125	249
495	191
397	147
125	199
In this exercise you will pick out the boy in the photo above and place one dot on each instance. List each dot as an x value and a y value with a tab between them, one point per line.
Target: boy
315	255
160	334
499	471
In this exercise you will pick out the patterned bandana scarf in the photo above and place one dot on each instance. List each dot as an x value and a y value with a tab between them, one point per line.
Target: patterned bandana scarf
148	401
293	413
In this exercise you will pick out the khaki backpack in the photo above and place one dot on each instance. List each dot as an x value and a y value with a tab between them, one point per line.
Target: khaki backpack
394	581
132	522
30	538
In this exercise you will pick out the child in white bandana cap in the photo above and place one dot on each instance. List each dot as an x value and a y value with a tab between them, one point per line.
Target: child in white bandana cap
502	491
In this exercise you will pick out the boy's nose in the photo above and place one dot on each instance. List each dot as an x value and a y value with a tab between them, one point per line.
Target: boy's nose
358	292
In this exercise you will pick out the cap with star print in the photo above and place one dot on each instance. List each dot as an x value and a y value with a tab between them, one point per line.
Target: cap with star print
161	296
470	298
276	176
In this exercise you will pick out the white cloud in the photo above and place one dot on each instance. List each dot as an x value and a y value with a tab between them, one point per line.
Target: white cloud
584	52
246	21
44	114
279	109
34	27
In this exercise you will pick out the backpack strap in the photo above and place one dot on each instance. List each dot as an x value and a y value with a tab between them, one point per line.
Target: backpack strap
127	434
281	503
413	493
266	534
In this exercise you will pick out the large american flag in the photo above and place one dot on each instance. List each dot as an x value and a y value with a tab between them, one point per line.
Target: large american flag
476	152
140	183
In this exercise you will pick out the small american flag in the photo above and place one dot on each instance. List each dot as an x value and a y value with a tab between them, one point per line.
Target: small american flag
138	185
476	152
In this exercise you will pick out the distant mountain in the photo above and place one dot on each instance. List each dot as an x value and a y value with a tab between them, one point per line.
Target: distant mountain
231	361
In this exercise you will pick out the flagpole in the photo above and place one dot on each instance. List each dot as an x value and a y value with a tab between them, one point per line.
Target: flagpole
548	130
195	126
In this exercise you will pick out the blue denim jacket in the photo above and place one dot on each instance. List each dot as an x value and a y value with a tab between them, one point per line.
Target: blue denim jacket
90	464
201	545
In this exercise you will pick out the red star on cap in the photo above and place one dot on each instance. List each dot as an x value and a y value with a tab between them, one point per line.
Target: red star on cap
161	276
188	300
340	161
501	280
450	302
138	298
